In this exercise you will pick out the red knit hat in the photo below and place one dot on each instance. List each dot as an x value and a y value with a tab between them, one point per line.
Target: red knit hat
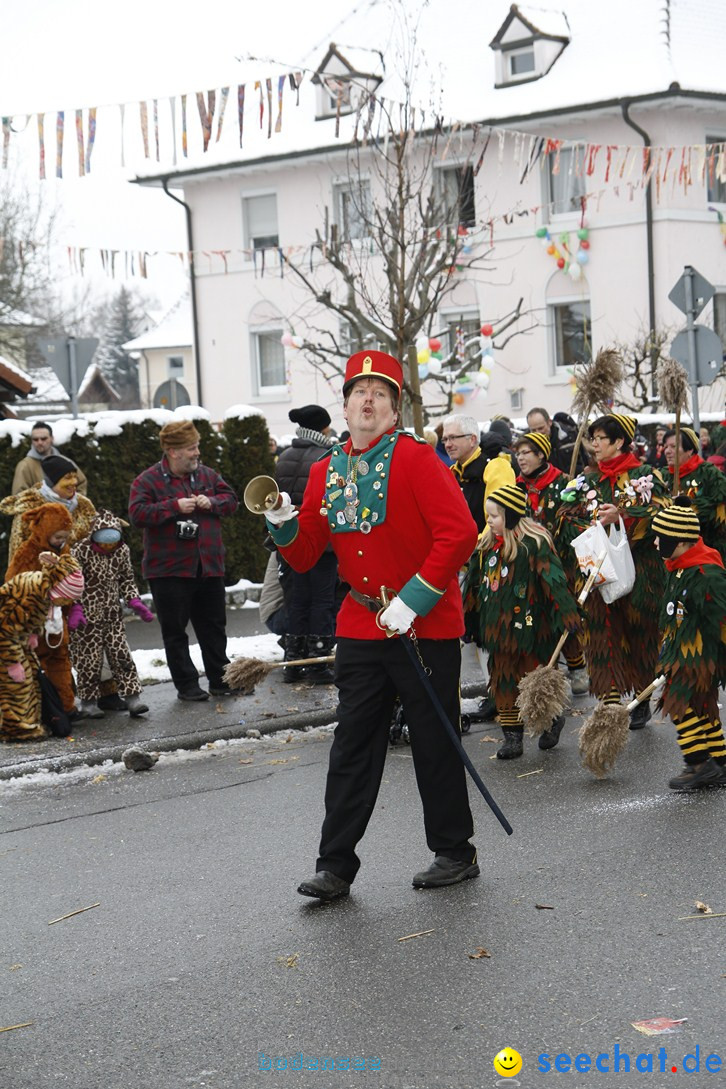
371	364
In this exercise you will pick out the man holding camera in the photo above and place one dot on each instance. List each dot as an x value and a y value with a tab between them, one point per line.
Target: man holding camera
179	503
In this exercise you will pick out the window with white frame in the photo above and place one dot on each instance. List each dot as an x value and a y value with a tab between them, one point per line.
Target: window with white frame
352	203
457	188
460	340
259	215
175	366
516	400
719	316
520	62
572	333
716	169
565	181
269	361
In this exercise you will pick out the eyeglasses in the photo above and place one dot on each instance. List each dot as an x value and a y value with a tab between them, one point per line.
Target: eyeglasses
455	438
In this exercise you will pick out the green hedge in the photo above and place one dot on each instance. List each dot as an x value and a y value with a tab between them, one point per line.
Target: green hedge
111	462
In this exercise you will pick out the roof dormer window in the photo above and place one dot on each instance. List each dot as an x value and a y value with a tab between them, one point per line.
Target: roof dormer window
344	82
528	44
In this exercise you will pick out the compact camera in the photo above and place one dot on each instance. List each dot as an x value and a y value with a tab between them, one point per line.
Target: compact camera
187	530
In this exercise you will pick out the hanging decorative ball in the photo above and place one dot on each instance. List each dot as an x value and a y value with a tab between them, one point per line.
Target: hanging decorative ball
296	342
434	344
423	371
487	330
423	356
286	340
575	272
583	234
560	262
541	232
582	257
435	366
458	398
551	249
584	244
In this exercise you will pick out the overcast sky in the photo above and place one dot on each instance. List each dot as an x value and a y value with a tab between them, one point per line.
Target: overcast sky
65	54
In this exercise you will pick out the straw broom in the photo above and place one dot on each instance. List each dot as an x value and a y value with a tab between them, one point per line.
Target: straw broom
606	731
596	386
544	692
672	382
244	674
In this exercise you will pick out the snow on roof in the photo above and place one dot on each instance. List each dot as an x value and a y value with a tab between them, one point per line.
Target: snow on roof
93	372
616	50
552	24
241	412
174	330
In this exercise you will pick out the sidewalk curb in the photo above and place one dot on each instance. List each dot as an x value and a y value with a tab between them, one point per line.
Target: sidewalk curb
196	740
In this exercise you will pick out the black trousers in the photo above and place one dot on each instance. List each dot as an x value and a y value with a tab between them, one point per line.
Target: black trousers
310	597
201	601
368	674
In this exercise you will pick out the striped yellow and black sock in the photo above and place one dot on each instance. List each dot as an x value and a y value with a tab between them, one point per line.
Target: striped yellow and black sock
691	733
510	720
715	741
575	661
613	696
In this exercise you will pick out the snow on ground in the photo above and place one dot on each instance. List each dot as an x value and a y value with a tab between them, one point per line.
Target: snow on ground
152	666
99	773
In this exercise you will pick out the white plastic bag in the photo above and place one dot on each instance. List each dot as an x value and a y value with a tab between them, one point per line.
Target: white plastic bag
621	559
589	547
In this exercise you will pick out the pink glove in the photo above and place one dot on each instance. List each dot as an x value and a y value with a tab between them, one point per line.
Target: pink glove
140	609
76	616
32	640
16	672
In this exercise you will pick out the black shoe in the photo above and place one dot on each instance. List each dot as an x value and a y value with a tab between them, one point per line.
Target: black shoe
295	647
324	886
319	646
486	711
193	695
221	689
513	744
550	737
640	716
445	871
111	703
695	776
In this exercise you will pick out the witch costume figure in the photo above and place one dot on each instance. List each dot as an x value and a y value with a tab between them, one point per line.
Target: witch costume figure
517	601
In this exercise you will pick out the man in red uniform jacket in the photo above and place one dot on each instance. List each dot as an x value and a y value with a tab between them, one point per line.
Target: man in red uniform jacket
396	518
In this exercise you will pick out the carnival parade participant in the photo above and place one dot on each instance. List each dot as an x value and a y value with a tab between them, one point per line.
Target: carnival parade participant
396	518
693	651
621	639
703	483
517	588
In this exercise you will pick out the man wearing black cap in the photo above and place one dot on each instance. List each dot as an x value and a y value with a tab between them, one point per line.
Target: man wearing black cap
309	595
396	519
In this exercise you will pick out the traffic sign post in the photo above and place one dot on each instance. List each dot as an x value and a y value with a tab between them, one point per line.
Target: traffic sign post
696	347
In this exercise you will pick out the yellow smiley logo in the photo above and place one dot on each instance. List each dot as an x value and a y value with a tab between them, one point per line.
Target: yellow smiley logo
508	1062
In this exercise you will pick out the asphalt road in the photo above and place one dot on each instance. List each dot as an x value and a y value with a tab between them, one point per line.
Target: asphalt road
201	962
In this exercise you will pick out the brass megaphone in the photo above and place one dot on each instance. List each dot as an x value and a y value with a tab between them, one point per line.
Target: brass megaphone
261	494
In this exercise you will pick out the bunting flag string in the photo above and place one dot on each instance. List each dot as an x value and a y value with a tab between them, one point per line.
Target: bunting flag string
268	87
81	146
91	137
224	95
6	141
155	107
41	146
185	143
241	110
206	114
280	87
144	120
59	129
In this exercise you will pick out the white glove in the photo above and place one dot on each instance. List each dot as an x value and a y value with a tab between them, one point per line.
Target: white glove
283	513
397	616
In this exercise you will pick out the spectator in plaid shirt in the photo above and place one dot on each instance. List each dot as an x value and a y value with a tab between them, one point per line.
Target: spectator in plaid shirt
178	503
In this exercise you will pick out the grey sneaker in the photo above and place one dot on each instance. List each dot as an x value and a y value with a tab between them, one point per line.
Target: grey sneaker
579	682
136	706
90	709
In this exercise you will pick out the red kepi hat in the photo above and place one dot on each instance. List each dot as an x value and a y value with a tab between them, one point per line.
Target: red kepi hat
370	364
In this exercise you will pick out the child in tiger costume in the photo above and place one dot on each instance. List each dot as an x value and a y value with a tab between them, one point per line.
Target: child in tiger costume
25	601
48	528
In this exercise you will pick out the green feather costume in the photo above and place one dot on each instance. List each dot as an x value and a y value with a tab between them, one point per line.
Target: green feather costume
705	486
517	609
693	625
622	639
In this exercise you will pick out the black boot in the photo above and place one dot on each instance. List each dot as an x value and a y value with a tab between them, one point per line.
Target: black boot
513	743
320	646
550	737
640	715
295	647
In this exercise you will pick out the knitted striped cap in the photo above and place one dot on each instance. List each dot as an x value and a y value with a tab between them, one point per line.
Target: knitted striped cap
511	498
691	438
678	521
69	588
627	424
540	442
